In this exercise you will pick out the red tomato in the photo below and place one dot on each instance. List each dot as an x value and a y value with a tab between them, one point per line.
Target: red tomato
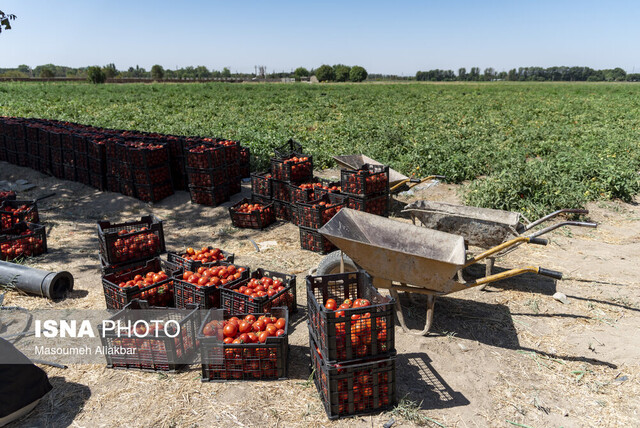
230	330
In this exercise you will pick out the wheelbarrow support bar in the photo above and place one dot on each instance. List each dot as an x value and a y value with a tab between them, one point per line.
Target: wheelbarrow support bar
505	245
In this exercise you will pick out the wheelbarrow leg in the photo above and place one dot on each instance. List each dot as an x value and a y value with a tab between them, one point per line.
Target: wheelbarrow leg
488	270
431	300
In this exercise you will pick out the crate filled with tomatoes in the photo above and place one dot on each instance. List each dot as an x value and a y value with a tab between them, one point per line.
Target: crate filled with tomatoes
295	167
263	290
209	177
191	259
280	191
147	280
326	186
366	181
312	240
245	346
315	214
204	155
244	161
22	240
14	212
159	339
375	204
153	192
8	195
284	210
261	184
252	214
131	241
210	196
366	386
302	192
202	286
348	318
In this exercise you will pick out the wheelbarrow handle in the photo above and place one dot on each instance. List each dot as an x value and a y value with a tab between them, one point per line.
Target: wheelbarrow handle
558	225
538	241
554	214
550	273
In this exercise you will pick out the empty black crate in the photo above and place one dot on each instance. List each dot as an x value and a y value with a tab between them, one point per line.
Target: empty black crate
244	361
131	241
367	332
365	387
235	302
157	294
161	353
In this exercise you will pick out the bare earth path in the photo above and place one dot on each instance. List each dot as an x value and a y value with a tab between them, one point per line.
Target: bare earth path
509	353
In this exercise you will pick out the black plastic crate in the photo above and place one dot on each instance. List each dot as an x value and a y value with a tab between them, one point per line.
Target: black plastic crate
287	149
312	240
81	160
80	144
9	195
376	204
301	194
244	162
69	172
192	265
209	196
284	210
148	156
315	214
33	162
82	176
231	150
112	183
98	180
128	188
23	240
366	181
360	388
205	297
332	187
259	219
13	212
244	361
33	148
131	241
233	170
367	332
205	155
151	176
118	293
280	191
209	177
153	192
235	302
295	168
162	353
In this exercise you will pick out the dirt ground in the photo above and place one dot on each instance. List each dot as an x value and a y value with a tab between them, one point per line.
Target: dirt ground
509	355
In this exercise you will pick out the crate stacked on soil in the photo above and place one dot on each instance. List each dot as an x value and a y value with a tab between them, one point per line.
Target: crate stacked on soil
13	212
261	292
250	346
207	173
245	162
202	287
191	259
253	214
312	240
165	341
146	280
314	214
131	241
150	170
261	184
22	240
352	343
367	188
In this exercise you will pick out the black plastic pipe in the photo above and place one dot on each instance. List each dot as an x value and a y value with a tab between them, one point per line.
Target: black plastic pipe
54	285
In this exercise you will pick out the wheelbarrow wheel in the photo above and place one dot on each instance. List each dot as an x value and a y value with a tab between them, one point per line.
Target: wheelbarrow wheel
332	264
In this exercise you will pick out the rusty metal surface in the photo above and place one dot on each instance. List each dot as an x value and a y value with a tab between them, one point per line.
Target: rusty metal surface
356	162
480	227
397	251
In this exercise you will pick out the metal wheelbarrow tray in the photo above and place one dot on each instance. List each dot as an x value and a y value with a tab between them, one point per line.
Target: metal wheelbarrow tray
403	257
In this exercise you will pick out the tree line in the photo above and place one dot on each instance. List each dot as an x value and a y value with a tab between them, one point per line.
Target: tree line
530	74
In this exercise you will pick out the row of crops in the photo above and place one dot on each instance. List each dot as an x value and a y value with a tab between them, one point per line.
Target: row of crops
530	147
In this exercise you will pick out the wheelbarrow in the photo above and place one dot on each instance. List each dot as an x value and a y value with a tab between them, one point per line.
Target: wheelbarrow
404	257
484	227
397	181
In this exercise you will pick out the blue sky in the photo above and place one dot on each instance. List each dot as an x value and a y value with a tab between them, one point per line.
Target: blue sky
391	37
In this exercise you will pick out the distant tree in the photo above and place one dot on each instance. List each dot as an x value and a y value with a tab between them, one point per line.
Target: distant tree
5	20
14	74
96	75
341	72
226	73
300	72
358	74
47	73
512	75
462	73
202	72
474	74
489	74
325	73
23	68
157	72
110	70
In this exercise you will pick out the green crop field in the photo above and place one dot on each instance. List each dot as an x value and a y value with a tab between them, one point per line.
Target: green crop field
530	147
